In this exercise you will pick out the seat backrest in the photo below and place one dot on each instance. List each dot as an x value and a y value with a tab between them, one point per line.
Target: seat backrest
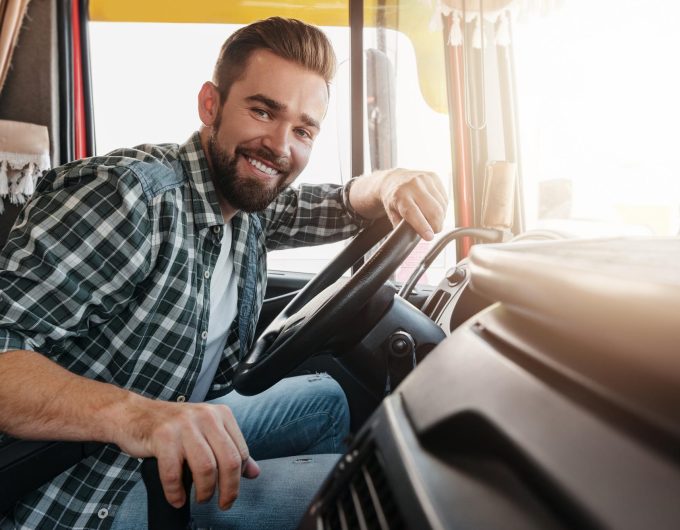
7	219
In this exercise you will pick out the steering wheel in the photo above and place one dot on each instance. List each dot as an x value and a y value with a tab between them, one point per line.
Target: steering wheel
317	310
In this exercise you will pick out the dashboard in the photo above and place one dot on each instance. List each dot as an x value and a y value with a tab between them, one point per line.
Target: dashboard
555	406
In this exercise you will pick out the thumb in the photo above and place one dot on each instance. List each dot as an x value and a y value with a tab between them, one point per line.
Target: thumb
250	469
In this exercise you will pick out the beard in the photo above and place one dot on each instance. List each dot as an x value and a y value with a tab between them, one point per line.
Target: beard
244	192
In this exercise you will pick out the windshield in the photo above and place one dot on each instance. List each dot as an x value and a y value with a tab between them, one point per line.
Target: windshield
597	97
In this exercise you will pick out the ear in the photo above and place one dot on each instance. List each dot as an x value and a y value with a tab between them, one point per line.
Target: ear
208	104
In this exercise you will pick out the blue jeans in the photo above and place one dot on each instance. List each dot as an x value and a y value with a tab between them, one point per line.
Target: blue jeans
305	415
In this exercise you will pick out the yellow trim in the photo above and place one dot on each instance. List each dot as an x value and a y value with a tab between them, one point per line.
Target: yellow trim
411	17
319	12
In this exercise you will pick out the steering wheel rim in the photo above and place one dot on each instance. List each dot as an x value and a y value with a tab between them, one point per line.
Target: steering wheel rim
287	342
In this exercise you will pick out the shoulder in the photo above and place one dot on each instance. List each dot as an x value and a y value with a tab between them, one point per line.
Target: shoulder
147	169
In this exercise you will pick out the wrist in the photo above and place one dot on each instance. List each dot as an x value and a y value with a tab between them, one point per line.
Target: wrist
364	195
124	419
356	216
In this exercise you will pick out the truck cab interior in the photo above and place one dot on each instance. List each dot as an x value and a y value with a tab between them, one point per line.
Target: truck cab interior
522	370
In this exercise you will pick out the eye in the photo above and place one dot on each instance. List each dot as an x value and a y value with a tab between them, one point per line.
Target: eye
303	133
260	113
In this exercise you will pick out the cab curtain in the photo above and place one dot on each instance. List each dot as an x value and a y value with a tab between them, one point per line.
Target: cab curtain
11	14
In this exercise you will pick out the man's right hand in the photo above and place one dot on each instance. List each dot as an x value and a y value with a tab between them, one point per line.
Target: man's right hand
40	400
206	436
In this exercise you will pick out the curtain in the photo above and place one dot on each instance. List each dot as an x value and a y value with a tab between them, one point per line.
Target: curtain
24	155
11	14
495	12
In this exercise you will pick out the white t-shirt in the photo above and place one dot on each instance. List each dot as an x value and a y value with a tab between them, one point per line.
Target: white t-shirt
223	302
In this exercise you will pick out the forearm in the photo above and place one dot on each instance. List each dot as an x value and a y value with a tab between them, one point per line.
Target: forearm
41	400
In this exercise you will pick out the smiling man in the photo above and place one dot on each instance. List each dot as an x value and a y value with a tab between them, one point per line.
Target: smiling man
131	284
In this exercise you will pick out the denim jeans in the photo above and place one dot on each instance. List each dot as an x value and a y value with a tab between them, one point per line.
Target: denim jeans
305	415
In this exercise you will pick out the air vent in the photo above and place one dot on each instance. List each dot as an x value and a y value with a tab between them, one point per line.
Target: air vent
364	500
436	305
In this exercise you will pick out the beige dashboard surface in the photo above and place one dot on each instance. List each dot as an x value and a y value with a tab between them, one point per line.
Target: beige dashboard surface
606	307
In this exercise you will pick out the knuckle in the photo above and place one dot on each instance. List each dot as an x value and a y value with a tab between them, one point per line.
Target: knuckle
171	479
205	468
233	462
225	411
406	210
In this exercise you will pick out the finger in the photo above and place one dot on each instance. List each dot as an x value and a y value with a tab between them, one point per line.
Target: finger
393	216
436	188
439	186
203	464
430	206
410	212
229	466
233	455
231	425
170	473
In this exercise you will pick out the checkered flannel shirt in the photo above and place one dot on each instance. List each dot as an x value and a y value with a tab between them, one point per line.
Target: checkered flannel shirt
106	272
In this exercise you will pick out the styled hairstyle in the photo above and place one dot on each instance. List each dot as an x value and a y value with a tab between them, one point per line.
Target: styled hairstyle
288	38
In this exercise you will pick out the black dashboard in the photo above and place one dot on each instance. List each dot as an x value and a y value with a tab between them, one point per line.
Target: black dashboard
546	409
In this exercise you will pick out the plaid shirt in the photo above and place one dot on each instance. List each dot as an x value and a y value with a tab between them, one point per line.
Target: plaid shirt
106	272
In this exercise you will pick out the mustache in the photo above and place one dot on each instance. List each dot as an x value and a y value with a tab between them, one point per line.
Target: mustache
280	163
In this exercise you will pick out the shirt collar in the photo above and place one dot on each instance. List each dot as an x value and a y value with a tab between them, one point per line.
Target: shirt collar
206	205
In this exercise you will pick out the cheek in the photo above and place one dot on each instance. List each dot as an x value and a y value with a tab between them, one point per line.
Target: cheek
301	154
236	131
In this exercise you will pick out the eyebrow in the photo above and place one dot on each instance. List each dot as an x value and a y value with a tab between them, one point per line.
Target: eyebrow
281	107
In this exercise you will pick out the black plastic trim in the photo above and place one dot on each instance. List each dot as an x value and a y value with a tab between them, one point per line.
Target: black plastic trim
65	45
86	69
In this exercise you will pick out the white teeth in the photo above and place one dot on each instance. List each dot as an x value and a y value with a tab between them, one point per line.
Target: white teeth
259	165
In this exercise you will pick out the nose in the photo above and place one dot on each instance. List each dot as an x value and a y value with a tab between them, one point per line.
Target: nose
278	140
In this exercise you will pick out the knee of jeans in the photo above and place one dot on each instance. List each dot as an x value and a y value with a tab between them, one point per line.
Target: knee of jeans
335	403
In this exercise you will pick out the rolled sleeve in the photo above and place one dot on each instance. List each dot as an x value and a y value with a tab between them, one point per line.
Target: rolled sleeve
309	215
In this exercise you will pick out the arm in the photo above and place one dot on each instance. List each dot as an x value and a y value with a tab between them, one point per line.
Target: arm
53	285
310	215
42	400
319	214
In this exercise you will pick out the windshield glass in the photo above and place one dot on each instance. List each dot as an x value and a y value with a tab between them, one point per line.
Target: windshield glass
598	105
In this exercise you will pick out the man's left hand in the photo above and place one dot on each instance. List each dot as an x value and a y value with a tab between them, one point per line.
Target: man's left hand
415	196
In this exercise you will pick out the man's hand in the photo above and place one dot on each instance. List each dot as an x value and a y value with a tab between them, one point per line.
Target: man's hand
416	196
43	401
206	436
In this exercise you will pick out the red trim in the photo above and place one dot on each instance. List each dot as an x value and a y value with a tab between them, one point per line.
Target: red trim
79	126
461	143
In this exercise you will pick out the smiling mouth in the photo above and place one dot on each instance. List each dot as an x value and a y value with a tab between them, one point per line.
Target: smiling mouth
262	167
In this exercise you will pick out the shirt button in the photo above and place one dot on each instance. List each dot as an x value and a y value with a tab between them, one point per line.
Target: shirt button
103	513
216	229
181	399
206	274
204	335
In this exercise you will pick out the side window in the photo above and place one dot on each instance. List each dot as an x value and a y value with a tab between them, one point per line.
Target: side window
598	96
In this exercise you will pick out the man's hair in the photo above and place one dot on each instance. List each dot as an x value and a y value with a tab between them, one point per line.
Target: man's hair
288	38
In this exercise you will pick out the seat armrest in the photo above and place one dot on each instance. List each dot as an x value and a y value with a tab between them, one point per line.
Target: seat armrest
25	465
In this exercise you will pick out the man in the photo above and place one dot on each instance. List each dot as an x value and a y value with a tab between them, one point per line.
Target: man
131	284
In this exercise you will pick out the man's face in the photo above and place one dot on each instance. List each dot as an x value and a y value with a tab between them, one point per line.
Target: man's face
263	137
